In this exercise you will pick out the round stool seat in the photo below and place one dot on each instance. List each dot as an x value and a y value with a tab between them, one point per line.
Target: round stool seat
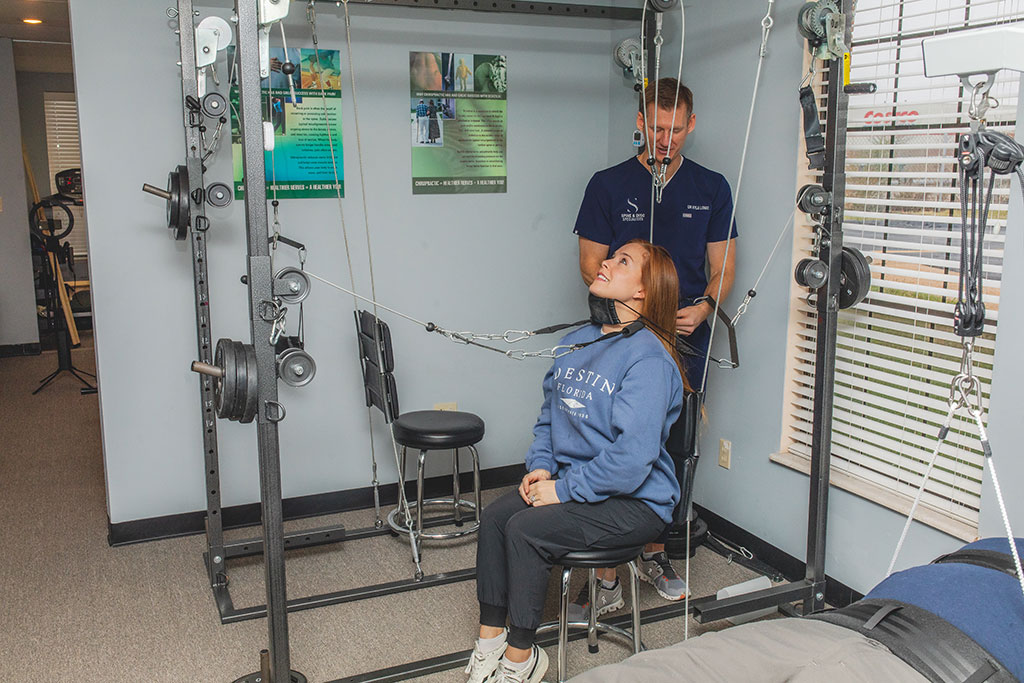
604	557
437	429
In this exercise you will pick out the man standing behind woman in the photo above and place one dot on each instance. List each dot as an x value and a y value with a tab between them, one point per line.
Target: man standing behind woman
692	222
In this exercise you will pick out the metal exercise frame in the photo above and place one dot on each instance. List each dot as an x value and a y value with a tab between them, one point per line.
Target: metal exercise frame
218	552
811	590
275	661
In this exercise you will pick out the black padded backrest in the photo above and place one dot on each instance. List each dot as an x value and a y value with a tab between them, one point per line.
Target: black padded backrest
378	361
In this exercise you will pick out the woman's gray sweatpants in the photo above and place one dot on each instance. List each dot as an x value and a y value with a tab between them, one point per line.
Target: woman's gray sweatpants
519	544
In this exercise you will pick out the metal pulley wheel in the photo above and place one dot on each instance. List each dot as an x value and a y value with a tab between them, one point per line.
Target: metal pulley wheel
218	194
811	273
295	367
235	390
176	195
813	199
214	105
291	285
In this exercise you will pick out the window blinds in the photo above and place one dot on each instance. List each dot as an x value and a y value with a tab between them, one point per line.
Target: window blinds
63	152
897	351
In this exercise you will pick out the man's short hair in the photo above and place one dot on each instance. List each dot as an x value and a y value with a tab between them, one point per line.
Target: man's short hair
666	95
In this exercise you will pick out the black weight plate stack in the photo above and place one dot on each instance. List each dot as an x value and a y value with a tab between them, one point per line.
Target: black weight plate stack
250	399
855	282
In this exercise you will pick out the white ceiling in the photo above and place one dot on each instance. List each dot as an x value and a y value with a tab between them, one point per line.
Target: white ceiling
39	47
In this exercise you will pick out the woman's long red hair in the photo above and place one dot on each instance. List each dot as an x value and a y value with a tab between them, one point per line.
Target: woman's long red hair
661	297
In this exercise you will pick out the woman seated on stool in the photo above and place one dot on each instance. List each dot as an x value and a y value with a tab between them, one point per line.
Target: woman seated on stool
599	475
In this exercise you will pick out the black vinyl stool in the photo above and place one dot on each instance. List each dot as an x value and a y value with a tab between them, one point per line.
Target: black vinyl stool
594	560
434	430
424	430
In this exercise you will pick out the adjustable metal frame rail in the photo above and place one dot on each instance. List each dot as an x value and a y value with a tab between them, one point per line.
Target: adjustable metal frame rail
200	223
248	547
811	590
277	666
217	551
549	9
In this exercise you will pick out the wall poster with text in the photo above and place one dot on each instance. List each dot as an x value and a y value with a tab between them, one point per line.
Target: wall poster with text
301	164
458	122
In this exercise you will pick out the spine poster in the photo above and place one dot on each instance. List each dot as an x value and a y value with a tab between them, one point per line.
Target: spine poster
458	122
300	165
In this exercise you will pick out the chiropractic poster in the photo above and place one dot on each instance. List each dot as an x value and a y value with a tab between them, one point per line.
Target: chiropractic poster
458	122
300	165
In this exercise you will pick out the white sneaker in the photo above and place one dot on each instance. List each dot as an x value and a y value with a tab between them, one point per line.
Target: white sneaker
483	666
533	673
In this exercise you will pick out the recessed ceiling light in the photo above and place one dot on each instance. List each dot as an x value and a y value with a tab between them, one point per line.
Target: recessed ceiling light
32	21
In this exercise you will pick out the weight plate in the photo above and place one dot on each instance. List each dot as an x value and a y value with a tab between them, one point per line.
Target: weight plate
214	105
295	367
178	212
291	285
224	387
252	393
218	194
855	282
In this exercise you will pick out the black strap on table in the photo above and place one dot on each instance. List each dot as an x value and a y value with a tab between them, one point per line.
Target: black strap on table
936	649
812	129
990	559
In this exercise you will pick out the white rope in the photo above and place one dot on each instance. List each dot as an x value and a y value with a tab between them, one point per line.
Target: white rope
742	309
766	25
1006	524
920	490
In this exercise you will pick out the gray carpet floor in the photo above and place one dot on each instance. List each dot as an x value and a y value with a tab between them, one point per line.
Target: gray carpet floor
74	609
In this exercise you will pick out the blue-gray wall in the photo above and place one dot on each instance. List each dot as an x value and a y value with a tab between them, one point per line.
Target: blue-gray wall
17	294
485	262
482	262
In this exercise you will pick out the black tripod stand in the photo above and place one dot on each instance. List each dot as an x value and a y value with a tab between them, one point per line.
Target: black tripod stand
56	318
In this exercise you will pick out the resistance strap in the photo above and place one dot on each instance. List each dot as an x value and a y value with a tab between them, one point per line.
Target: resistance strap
812	129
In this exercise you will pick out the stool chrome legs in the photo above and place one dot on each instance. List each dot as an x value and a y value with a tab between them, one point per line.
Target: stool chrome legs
563	624
592	625
634	587
397	517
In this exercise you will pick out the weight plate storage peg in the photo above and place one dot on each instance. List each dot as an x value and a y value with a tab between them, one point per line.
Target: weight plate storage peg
291	285
295	367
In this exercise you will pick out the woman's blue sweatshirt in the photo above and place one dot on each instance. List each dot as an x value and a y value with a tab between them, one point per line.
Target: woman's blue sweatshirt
607	412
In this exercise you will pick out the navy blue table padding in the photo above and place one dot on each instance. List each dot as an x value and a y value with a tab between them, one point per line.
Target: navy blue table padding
985	604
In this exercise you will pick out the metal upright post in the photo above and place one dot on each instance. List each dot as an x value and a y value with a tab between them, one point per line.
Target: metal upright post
269	411
194	163
831	252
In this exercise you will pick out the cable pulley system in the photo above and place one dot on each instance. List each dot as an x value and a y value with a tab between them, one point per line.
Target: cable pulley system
978	149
